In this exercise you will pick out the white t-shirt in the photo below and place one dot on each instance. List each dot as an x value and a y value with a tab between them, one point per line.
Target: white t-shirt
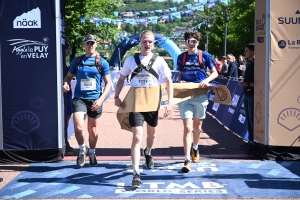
145	78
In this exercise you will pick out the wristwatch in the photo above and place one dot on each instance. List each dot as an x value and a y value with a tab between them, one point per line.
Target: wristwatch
116	97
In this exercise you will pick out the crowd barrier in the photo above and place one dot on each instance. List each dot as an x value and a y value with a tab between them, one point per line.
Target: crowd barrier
232	116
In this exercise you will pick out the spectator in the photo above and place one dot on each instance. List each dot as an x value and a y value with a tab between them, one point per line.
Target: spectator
232	67
241	66
224	70
218	65
248	85
89	70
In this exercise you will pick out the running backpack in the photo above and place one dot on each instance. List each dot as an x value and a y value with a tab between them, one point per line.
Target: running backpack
141	66
97	63
199	59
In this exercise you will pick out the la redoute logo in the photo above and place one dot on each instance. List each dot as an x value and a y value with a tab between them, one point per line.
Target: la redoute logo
31	19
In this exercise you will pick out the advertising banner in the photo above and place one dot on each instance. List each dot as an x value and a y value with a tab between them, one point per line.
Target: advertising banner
28	74
261	71
237	95
277	75
285	74
238	123
213	107
226	110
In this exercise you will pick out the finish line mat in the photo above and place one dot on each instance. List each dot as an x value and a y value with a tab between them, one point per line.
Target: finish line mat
209	179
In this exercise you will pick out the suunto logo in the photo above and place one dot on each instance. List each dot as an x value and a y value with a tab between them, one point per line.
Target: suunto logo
289	20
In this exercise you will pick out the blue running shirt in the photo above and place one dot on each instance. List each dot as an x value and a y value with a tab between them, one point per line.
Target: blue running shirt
192	71
89	79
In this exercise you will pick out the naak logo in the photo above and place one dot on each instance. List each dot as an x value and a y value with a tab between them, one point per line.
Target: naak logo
30	49
31	19
290	20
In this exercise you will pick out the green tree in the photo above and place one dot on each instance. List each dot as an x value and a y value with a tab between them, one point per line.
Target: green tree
75	30
240	29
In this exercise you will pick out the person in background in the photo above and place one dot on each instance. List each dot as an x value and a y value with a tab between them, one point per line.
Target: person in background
248	85
224	70
232	67
241	66
218	65
141	78
88	96
67	104
193	111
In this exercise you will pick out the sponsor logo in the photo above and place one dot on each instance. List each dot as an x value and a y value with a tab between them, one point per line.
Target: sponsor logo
241	119
29	48
235	100
260	39
289	20
260	23
281	44
291	44
176	187
260	27
31	19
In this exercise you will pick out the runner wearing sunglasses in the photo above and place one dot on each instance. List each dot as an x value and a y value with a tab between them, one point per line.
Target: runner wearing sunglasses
192	66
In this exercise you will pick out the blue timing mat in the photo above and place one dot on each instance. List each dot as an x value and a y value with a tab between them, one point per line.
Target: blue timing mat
207	179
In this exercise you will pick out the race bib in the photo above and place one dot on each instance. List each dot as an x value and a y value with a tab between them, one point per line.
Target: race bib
143	80
88	84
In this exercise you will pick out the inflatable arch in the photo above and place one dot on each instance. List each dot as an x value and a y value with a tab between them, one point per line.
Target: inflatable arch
132	41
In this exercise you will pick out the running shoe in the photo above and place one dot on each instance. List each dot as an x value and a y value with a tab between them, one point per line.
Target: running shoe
148	160
93	160
195	155
136	181
81	157
186	166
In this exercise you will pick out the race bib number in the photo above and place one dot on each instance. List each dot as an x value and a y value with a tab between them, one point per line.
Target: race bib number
143	80
88	84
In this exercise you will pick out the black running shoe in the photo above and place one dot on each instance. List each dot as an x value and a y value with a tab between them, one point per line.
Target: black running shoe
81	157
148	160
136	181
93	160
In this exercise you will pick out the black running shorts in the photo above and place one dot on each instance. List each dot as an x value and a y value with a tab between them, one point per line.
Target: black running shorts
138	118
84	105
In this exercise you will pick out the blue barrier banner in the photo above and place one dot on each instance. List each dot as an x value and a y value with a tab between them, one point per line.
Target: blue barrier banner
225	115
28	74
239	123
212	107
222	110
232	116
237	94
